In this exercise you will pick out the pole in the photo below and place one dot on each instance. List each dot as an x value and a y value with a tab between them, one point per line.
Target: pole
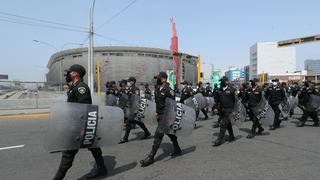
98	78
61	75
90	50
199	69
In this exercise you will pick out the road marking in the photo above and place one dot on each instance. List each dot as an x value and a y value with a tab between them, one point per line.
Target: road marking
11	147
24	116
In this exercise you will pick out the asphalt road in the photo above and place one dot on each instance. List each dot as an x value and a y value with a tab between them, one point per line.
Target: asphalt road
287	153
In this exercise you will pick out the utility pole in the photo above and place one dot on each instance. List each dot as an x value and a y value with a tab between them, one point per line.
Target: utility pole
90	49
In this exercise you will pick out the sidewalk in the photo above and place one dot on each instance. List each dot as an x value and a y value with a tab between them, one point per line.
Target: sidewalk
23	111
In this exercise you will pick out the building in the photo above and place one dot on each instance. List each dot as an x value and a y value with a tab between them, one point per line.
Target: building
246	73
120	62
235	74
206	71
296	76
312	65
267	57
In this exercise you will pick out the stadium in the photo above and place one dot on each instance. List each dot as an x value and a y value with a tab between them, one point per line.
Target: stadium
120	62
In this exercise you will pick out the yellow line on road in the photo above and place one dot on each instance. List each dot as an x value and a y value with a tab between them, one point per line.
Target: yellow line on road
24	116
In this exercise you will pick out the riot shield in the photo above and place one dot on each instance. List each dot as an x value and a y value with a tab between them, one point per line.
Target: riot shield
238	114
123	104
210	102
99	100
148	96
142	109
284	107
196	102
75	125
264	112
179	119
293	102
314	103
111	100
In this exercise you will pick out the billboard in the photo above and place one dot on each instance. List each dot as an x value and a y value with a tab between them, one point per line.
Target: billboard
171	78
215	77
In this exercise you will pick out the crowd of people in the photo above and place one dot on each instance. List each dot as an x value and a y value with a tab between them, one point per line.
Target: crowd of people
281	97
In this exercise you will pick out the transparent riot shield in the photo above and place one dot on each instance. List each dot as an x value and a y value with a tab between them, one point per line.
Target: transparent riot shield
142	109
264	112
123	104
314	103
99	100
238	114
293	102
284	107
74	126
148	96
111	100
196	102
210	102
178	119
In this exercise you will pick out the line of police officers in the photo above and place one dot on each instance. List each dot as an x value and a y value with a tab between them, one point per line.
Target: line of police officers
225	99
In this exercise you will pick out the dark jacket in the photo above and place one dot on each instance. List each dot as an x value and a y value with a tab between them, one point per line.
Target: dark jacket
226	98
275	95
79	93
254	96
160	97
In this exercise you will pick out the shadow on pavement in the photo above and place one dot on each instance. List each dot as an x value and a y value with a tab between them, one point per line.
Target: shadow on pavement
168	148
198	127
139	136
110	162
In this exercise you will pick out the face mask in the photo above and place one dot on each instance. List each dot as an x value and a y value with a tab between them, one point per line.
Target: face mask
274	83
68	78
223	83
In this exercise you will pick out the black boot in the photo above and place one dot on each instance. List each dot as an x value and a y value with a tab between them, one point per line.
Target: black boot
146	131
97	172
222	132
230	131
260	130
156	144
316	124
148	160
176	148
126	135
252	132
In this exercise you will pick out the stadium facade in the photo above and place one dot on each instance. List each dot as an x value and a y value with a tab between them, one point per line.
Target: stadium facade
121	62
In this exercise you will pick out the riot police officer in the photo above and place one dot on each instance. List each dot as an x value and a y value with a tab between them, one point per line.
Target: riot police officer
203	91
226	98
114	89
275	95
253	97
147	92
79	92
293	91
130	91
162	92
304	99
186	92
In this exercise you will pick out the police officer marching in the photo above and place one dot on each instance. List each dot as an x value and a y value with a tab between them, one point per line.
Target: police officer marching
275	94
203	91
253	97
79	92
130	91
225	102
162	92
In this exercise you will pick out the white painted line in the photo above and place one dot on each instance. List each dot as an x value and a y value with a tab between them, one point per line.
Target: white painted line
11	147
